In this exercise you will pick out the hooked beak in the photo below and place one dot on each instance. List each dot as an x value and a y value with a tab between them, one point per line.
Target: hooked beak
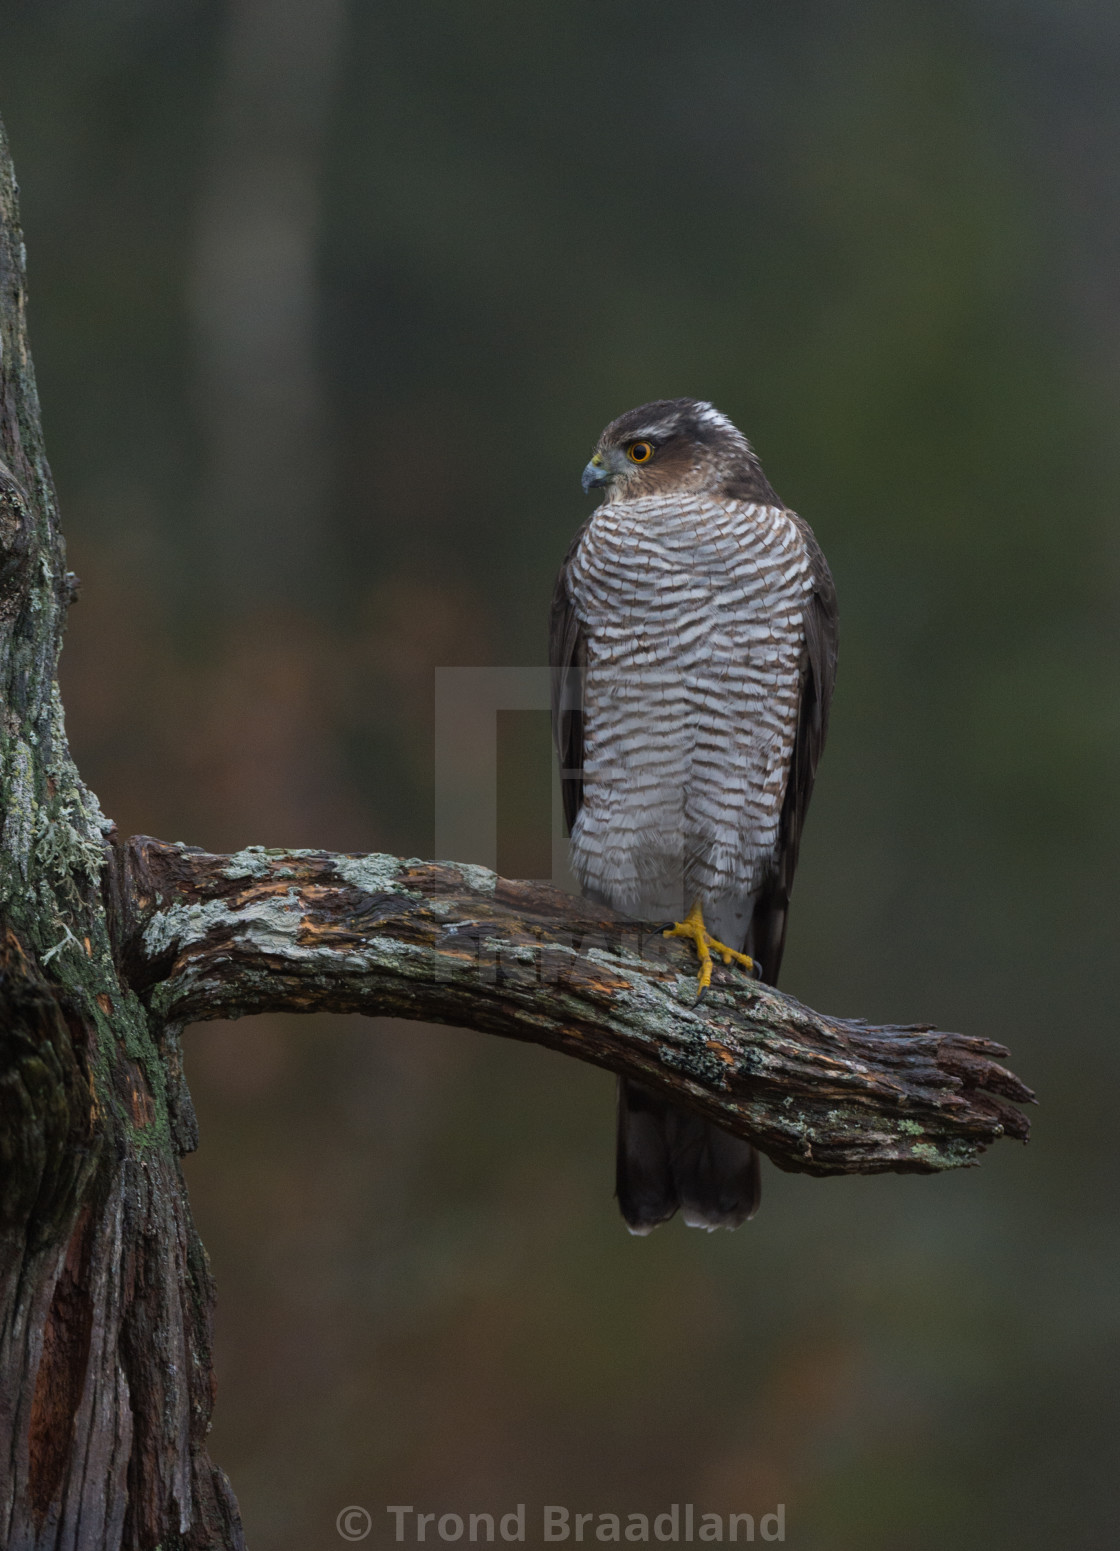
596	473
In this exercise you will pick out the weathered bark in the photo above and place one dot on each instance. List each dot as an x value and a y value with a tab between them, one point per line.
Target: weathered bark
108	948
105	1294
201	936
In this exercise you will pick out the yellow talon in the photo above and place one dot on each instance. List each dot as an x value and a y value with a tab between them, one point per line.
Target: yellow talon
693	927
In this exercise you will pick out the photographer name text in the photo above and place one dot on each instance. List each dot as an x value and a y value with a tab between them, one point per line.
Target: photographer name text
679	1525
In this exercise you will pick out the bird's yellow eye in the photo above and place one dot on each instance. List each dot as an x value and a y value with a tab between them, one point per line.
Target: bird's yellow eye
641	452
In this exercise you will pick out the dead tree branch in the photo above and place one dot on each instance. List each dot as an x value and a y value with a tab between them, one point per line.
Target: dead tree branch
203	936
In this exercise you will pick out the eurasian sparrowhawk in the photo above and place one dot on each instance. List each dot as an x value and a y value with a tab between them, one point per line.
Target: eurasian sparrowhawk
694	654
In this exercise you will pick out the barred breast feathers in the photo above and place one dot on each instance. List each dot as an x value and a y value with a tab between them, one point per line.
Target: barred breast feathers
692	610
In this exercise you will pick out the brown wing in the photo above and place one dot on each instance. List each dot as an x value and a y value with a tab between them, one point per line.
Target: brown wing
767	934
568	657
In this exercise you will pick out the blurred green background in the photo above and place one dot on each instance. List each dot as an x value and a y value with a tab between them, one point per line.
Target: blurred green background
329	305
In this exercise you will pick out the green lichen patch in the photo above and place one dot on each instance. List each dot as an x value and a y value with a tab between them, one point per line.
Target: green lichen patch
374	874
480	879
952	1154
252	862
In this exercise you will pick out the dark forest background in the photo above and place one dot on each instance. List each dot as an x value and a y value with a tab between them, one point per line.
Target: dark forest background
329	305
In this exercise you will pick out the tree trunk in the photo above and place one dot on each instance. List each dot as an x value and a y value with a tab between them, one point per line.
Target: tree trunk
105	1292
107	948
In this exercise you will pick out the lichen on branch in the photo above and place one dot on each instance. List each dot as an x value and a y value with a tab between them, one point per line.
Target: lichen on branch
203	936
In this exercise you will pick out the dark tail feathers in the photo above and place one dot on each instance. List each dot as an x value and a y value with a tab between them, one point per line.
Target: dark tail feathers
669	1158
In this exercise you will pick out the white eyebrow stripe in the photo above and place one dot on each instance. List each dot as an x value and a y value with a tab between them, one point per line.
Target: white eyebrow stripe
703	411
711	415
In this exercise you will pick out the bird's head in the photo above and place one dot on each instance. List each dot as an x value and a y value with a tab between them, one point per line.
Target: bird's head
675	445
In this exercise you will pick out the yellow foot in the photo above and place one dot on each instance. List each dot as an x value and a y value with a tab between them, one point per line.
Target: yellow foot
693	927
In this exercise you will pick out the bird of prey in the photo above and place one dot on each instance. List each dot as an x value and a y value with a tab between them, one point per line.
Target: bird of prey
693	651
